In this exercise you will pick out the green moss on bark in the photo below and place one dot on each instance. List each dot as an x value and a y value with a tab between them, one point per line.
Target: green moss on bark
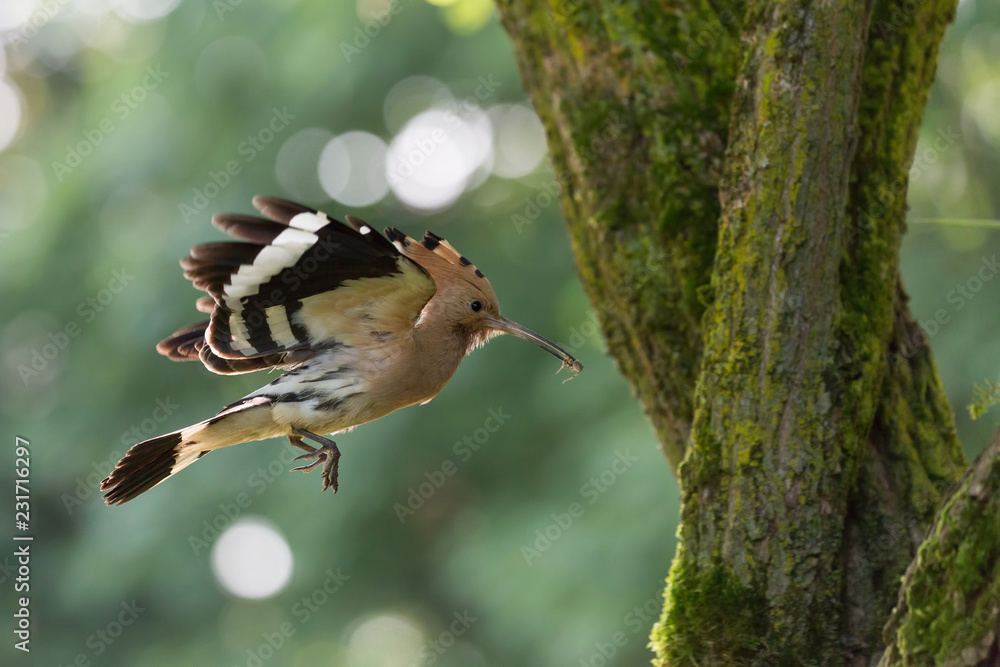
948	610
781	413
635	101
792	479
734	188
911	461
722	608
912	455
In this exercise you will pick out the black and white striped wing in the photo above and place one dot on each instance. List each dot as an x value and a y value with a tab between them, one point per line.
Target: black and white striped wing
258	284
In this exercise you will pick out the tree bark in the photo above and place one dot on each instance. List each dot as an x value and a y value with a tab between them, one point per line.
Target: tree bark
636	133
949	606
734	181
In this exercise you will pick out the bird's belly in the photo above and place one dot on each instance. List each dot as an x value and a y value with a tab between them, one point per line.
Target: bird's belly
327	401
343	389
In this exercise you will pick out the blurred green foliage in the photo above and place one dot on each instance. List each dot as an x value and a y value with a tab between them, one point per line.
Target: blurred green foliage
220	70
950	253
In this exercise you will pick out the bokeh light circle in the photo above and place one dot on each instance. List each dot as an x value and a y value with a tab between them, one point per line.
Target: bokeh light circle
438	154
295	165
411	96
352	169
386	640
25	191
519	140
141	11
11	109
17	13
251	559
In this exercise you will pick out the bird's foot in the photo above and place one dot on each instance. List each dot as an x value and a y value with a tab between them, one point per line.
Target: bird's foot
328	455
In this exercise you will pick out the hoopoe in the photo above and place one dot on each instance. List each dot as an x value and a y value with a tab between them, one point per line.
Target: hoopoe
364	325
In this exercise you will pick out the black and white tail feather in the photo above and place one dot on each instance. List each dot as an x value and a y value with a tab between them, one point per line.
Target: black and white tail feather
256	288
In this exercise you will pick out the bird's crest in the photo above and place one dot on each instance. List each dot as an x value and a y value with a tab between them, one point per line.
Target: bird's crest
416	250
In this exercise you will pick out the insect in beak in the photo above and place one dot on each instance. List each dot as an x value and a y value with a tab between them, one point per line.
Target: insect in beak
515	329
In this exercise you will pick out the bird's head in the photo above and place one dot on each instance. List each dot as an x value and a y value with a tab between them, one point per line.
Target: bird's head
466	299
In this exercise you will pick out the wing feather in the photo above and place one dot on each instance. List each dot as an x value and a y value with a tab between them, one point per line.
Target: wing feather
293	284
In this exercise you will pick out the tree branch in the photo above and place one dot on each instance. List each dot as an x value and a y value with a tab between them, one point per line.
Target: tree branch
635	101
948	611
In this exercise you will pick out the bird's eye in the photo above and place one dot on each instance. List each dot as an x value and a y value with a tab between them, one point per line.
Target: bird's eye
476	306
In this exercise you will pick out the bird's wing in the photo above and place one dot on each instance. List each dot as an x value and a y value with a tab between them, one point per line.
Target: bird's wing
296	283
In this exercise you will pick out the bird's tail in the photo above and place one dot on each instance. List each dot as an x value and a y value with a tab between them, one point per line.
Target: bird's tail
150	462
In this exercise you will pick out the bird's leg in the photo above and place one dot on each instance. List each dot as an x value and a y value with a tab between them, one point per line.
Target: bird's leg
296	441
328	455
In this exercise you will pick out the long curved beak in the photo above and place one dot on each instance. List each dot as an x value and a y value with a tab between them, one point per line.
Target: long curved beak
515	329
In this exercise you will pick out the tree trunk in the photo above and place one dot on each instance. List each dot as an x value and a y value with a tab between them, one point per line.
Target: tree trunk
734	179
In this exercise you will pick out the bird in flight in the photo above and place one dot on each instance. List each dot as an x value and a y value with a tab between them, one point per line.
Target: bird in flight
363	324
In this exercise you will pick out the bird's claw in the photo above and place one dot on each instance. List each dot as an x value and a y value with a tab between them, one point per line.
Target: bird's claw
308	467
329	456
